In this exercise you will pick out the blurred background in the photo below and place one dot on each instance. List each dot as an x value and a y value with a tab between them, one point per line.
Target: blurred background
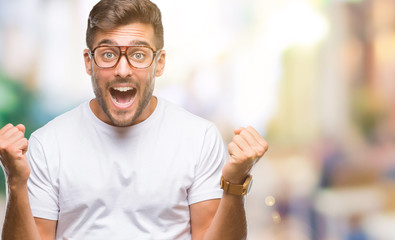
315	77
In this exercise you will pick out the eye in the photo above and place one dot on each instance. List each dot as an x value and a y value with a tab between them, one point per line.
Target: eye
138	56
108	55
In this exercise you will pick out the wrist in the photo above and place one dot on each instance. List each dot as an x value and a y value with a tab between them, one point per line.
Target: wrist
16	184
238	189
235	173
235	178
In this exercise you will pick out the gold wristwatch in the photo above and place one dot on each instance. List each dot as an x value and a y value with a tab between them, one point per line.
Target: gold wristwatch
237	189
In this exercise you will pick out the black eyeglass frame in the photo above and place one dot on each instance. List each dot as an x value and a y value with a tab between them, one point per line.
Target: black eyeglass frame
123	52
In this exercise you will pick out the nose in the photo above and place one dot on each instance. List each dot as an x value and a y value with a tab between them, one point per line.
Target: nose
122	69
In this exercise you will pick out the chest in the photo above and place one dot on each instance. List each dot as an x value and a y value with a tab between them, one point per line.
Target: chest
124	179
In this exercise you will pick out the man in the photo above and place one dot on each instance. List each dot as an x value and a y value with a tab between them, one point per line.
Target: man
126	165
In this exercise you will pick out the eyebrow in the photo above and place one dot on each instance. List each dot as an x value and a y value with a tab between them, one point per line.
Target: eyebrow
134	42
141	42
105	41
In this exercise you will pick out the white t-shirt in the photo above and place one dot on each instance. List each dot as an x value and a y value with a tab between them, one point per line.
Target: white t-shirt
104	182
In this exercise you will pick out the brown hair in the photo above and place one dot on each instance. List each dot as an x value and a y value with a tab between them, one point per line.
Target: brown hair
109	14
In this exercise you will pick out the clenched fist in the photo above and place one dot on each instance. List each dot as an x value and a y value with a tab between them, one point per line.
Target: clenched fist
13	147
246	148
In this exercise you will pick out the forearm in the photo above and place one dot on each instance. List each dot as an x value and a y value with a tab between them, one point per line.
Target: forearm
19	222
229	221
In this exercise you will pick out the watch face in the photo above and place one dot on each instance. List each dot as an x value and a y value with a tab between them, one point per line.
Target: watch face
250	186
247	185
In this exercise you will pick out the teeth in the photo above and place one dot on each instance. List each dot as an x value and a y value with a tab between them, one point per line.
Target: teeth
123	89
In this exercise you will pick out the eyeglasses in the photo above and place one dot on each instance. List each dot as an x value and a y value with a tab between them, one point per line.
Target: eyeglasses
139	57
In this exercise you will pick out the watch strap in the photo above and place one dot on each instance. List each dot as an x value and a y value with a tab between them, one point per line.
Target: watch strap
236	189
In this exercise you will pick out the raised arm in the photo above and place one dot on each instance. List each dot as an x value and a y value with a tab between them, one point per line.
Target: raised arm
19	222
225	218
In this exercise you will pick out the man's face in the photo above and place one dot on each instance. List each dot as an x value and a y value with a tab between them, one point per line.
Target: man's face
124	94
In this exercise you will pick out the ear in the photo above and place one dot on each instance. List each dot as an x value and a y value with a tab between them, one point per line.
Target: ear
160	66
88	63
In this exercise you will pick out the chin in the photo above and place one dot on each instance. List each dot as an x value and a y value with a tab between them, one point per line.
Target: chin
122	124
120	120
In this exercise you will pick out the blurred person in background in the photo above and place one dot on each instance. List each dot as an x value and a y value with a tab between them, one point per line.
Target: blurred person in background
126	164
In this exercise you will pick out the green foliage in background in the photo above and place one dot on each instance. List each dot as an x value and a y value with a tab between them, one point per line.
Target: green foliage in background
16	106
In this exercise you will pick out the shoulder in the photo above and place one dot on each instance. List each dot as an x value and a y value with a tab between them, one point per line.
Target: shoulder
183	118
186	127
62	123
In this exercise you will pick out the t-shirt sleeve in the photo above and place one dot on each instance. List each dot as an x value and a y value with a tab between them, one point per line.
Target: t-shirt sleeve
206	184
43	196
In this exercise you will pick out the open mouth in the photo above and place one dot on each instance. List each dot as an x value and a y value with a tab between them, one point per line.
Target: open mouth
123	97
